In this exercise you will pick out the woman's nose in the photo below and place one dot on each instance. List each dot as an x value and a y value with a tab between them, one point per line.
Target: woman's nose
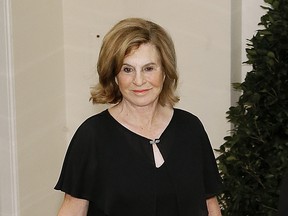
139	78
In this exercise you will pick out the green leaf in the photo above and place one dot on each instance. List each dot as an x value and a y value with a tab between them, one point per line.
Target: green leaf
231	158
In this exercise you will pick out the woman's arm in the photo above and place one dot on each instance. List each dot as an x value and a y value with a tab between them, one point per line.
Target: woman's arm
73	206
213	207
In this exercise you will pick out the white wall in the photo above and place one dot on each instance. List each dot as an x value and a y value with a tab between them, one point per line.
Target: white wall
201	32
38	56
8	152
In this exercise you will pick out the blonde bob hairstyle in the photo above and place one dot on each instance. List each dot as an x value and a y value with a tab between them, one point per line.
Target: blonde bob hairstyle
124	37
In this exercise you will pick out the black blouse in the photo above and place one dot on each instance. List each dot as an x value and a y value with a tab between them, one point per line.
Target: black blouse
114	169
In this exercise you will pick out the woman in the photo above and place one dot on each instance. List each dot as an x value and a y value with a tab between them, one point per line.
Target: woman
140	157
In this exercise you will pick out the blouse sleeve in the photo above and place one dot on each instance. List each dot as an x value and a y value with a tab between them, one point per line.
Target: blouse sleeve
80	163
212	180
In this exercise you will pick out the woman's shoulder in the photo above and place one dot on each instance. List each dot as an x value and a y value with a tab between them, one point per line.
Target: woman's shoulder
184	114
98	117
187	119
95	121
93	128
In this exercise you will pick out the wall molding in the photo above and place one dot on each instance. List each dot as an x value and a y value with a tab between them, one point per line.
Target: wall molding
9	204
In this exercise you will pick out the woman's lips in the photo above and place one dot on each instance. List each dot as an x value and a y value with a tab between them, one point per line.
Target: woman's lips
141	90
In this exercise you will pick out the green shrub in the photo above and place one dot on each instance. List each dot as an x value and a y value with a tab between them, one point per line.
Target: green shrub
254	156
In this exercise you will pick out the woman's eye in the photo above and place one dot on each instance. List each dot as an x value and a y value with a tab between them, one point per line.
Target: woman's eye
127	69
149	69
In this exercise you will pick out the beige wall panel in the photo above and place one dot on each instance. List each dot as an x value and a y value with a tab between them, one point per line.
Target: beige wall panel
40	102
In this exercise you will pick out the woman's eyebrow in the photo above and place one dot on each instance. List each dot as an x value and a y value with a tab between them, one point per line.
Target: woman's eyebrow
145	65
126	64
151	63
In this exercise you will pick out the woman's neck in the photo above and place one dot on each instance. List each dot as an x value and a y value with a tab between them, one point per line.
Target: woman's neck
141	114
148	121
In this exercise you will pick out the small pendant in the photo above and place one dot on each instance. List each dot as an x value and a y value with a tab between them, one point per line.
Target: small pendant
155	141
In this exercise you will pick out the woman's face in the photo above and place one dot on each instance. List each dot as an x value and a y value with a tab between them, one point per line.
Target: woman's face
141	77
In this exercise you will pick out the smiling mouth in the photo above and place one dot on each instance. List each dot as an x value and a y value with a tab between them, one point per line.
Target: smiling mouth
141	91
